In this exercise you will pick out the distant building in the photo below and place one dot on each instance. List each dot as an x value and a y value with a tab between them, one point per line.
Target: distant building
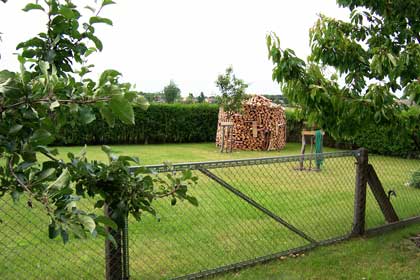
211	99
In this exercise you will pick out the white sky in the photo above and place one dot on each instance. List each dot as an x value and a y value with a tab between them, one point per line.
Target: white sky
189	41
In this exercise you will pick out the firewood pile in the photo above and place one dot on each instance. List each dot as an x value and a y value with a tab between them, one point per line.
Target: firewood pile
260	126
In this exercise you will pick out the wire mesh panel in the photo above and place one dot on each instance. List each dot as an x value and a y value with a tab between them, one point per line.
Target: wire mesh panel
250	210
27	252
240	215
395	175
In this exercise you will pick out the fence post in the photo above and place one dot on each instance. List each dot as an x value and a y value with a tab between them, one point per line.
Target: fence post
360	193
113	255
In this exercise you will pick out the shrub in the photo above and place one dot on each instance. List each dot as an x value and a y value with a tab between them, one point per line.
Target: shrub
161	123
414	180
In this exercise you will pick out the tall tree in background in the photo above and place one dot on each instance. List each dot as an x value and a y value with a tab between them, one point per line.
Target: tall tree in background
171	92
201	98
232	90
357	68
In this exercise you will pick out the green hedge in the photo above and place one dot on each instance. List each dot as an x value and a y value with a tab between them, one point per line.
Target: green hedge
381	139
161	123
184	123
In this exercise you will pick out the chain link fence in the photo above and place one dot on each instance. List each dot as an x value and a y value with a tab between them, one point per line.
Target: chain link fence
249	211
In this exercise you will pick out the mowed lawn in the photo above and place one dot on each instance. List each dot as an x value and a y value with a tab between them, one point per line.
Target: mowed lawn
223	229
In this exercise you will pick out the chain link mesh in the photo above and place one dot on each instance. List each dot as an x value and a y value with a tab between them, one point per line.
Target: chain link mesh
28	253
239	220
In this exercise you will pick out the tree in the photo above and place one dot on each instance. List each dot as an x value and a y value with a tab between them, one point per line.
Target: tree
52	89
356	68
171	92
190	99
201	98
232	90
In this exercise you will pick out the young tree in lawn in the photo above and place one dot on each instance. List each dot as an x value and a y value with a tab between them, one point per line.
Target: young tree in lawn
171	92
51	89
357	68
232	90
190	99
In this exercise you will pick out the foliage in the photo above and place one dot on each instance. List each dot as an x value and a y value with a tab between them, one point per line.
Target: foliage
123	190
171	92
232	90
183	123
201	98
39	100
376	54
161	123
190	99
414	180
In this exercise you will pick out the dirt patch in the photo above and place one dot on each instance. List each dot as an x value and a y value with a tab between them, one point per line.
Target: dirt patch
416	240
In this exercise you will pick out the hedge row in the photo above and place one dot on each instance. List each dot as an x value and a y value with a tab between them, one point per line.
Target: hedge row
394	140
161	123
184	123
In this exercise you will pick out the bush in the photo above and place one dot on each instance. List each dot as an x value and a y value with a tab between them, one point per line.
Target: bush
414	180
161	123
186	123
385	140
294	125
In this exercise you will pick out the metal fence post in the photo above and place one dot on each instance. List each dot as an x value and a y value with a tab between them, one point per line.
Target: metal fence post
125	251
360	193
113	254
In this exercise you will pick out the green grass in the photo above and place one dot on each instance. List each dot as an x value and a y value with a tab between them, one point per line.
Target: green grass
175	153
390	256
223	229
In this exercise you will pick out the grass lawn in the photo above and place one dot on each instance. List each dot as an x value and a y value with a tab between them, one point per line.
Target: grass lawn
390	256
223	229
175	153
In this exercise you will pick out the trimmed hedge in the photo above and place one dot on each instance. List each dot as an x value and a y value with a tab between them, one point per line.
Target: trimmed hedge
160	123
186	123
379	139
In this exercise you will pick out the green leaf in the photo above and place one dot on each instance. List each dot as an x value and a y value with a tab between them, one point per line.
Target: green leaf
96	41
52	231
106	149
64	236
45	174
106	113
392	59
86	115
44	66
107	2
192	200
99	204
33	6
106	221
94	20
122	109
15	129
61	182
54	105
41	137
108	75
67	12
173	201
88	223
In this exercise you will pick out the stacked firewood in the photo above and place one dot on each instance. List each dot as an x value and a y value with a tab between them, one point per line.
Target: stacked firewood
260	126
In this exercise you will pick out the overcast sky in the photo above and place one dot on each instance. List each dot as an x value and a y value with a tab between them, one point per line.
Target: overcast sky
188	41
